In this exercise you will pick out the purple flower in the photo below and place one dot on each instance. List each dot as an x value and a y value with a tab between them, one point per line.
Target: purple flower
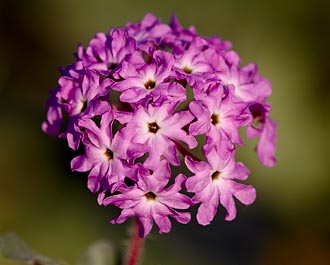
105	154
106	52
150	81
148	32
265	128
74	95
150	200
53	124
179	36
193	60
158	127
136	100
248	85
213	182
218	117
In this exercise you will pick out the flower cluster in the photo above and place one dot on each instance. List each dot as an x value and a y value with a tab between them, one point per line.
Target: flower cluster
137	99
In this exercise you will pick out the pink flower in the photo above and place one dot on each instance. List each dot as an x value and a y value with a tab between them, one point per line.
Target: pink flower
136	100
265	128
148	31
149	200
213	182
150	81
192	62
247	84
218	117
106	51
105	154
158	127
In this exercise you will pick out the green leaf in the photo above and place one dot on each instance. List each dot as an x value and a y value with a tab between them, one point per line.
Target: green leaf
13	247
102	252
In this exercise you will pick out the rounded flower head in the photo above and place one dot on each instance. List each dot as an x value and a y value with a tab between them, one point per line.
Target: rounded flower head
151	98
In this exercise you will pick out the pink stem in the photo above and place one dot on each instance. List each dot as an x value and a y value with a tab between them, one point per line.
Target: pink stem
135	247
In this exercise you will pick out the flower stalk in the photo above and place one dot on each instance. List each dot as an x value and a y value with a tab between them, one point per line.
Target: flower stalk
135	247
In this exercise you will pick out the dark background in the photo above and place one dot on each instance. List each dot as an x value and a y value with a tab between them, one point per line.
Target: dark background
51	208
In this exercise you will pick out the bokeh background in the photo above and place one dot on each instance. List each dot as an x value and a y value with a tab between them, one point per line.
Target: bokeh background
51	208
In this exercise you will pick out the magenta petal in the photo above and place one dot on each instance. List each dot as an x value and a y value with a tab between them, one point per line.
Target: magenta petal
160	30
163	223
93	184
245	194
197	184
127	70
199	127
133	94
53	123
80	163
176	92
171	154
196	166
145	226
253	132
267	144
163	172
227	201
207	210
125	214
241	171
182	217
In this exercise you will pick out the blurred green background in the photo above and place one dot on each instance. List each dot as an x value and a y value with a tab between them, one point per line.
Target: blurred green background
51	208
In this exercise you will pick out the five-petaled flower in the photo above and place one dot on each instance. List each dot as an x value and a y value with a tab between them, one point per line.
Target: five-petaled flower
150	200
213	182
